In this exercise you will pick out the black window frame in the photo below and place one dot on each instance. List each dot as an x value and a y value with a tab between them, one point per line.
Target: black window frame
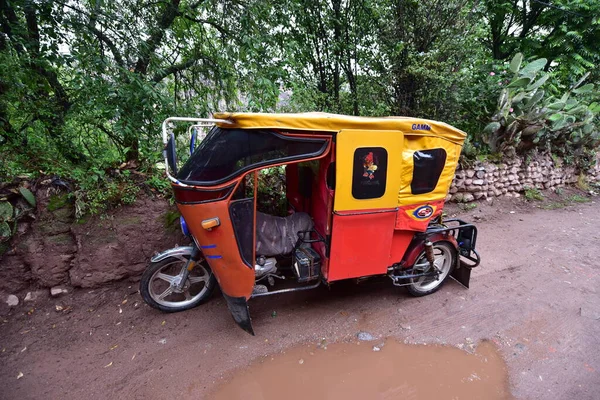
383	169
440	163
263	164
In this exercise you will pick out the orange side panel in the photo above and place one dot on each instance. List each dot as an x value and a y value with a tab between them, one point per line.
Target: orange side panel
219	246
360	244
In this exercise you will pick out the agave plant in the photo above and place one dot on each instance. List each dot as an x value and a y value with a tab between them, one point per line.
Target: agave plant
9	215
527	116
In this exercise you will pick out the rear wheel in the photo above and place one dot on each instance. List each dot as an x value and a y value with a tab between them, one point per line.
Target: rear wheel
159	284
444	260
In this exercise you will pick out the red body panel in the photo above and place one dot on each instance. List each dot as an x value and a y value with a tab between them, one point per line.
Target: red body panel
360	244
400	242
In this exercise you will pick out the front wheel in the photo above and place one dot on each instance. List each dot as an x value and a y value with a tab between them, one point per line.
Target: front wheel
444	260
160	281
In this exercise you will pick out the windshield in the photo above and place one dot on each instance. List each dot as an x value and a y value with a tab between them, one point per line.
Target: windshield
225	153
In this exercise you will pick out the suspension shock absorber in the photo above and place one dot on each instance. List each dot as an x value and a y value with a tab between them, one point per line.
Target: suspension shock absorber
429	253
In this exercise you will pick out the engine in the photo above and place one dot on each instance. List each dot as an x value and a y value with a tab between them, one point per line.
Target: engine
265	266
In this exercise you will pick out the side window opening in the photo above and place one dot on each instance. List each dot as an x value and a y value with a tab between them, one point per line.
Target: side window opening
427	168
369	173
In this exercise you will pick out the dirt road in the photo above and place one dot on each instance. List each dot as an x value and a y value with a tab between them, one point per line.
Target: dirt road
535	295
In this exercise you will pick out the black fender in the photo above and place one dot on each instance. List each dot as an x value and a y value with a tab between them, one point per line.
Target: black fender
238	306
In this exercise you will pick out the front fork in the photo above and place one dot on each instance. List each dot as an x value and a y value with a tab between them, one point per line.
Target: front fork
189	265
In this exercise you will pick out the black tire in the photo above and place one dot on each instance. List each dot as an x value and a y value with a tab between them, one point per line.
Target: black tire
149	278
423	286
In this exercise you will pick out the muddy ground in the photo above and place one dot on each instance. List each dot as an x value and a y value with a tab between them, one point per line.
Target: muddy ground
535	296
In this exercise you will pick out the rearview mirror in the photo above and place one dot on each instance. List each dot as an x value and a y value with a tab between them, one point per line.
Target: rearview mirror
171	154
193	141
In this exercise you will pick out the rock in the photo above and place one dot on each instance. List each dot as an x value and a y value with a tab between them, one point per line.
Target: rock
365	336
468	197
478	182
470	173
480	174
12	300
458	197
57	291
497	192
33	296
375	348
508	195
479	195
516	195
453	190
468	182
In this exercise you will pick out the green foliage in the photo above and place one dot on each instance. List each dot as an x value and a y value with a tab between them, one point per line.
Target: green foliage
577	198
532	194
84	85
27	195
98	191
57	201
159	183
527	116
271	191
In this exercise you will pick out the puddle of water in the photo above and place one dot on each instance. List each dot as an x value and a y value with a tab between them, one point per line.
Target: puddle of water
355	371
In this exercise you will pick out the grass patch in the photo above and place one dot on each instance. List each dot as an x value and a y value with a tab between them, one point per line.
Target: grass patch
169	219
555	205
577	198
532	194
582	183
467	206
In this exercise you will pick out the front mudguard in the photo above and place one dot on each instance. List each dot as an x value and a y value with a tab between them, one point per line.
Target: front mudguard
238	306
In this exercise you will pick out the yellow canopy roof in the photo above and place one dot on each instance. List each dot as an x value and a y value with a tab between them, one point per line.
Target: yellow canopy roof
316	121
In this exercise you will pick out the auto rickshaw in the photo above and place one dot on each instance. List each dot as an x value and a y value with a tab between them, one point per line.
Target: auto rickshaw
365	199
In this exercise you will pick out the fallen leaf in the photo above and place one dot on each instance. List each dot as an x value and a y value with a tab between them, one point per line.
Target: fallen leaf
114	347
108	365
59	308
24	348
133	357
163	323
124	301
20	375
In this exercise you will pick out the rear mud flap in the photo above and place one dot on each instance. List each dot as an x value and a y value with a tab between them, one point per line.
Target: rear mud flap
462	275
238	306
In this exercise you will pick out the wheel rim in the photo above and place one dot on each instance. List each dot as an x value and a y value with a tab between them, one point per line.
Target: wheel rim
442	261
162	286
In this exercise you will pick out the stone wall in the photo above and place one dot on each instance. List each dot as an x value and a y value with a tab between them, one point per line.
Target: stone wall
487	180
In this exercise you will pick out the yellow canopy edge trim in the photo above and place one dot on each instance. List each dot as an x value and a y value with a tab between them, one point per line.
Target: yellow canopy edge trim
335	123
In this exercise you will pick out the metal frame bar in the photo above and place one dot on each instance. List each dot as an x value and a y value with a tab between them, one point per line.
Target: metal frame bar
462	225
165	136
289	290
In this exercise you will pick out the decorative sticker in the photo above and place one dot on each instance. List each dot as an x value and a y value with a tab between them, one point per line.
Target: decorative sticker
369	166
421	213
